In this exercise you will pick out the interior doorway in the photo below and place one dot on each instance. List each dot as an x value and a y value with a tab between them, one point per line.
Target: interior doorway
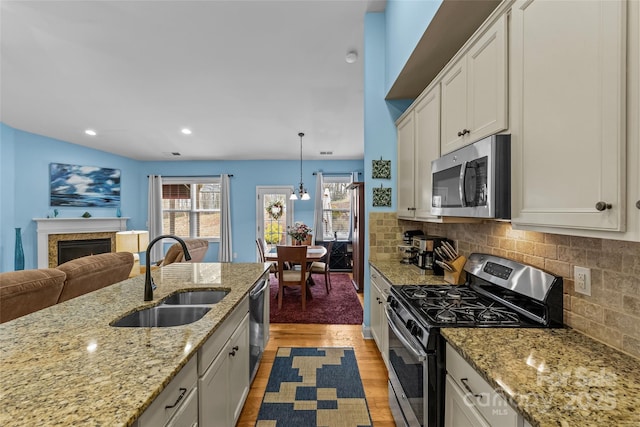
274	212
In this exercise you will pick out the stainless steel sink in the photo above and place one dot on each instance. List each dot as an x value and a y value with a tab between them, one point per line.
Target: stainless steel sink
162	316
208	296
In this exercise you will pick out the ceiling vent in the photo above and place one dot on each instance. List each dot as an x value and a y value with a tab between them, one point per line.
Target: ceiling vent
326	153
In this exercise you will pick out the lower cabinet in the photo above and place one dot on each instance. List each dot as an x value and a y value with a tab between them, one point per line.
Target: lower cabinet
177	405
379	292
224	372
471	401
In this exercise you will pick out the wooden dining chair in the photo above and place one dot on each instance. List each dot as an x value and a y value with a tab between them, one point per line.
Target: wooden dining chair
292	255
273	268
323	267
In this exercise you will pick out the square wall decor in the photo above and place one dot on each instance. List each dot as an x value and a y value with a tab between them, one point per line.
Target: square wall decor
381	169
382	196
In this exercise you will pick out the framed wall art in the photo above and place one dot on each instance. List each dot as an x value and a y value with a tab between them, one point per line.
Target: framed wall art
382	196
84	186
381	169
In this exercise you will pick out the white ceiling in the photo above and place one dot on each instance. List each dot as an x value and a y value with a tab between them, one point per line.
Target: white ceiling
245	76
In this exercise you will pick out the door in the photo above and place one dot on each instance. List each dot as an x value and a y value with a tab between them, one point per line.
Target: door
274	212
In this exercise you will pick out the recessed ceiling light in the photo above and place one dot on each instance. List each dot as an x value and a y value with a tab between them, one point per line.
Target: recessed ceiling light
352	56
91	132
186	131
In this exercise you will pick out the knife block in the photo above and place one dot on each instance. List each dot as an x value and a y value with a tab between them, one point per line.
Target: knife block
458	276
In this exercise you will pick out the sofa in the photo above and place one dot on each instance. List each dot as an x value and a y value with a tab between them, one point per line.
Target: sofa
197	249
23	292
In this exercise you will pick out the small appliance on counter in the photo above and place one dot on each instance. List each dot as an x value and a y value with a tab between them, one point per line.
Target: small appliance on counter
430	254
406	249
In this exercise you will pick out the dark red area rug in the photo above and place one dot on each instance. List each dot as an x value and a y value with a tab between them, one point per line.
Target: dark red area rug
340	307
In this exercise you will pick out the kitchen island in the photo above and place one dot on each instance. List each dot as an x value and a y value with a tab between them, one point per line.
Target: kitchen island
65	365
552	377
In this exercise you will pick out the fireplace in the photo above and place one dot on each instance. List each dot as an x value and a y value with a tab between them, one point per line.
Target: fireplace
52	230
72	249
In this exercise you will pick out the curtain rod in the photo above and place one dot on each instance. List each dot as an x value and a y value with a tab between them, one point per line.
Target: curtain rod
336	173
193	176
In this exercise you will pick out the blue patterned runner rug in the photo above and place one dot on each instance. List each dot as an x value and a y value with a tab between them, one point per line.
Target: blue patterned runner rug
314	387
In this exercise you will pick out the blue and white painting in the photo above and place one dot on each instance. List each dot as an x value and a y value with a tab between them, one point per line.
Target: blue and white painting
84	186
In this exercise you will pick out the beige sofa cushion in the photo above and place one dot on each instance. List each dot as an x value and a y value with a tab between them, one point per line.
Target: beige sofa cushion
23	292
197	249
94	272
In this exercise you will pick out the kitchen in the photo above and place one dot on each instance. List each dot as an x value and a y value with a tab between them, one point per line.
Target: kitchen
612	255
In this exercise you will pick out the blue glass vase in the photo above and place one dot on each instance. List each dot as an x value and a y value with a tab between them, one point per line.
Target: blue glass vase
19	253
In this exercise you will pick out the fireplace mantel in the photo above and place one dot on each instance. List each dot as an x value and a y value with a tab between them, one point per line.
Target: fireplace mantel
47	226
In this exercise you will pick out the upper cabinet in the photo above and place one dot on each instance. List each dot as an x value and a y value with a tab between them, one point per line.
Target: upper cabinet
474	90
418	145
568	70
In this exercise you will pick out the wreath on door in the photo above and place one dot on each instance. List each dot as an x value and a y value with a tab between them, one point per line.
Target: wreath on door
275	209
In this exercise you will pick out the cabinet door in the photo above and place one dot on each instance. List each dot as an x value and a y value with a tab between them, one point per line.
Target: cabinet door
187	415
213	398
406	134
376	320
427	149
487	83
238	379
379	292
568	138
458	410
454	107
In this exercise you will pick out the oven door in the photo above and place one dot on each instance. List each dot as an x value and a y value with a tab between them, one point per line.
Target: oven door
408	372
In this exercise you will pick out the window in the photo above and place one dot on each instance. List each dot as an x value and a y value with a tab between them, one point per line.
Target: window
191	207
336	207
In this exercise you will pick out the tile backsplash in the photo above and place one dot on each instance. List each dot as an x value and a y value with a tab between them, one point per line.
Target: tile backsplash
611	314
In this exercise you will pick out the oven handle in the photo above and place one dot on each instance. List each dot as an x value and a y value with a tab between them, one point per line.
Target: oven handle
463	173
420	354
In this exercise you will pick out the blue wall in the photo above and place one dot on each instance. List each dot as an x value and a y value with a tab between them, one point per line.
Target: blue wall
24	189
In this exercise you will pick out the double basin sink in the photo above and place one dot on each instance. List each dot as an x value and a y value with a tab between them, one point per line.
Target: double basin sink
177	309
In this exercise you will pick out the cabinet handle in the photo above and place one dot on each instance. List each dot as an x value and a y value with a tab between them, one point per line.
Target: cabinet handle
233	350
638	204
600	206
466	386
463	132
182	392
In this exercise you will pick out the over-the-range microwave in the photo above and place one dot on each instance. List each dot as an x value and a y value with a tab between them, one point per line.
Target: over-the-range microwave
474	181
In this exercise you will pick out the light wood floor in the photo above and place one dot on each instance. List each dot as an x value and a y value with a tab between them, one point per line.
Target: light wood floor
372	369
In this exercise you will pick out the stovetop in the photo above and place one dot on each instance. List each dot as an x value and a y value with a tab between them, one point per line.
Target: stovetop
457	306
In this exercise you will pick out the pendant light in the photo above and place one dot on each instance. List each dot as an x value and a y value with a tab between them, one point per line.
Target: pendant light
301	190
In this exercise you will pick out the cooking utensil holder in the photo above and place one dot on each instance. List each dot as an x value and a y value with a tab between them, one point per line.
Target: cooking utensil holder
458	276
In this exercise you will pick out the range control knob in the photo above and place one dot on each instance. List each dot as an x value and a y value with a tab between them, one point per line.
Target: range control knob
392	302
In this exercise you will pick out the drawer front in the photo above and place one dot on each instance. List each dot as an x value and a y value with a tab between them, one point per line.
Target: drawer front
171	399
187	415
216	342
491	405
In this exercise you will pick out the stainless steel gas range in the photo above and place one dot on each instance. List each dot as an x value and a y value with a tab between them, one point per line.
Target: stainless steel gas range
498	293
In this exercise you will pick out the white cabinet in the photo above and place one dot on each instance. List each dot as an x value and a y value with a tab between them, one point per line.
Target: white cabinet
177	404
379	292
568	114
223	366
418	145
470	400
474	90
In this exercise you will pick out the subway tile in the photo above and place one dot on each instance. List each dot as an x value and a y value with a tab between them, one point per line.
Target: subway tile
626	324
558	268
586	243
623	283
631	305
524	246
507	244
588	310
575	256
534	236
557	239
545	250
631	346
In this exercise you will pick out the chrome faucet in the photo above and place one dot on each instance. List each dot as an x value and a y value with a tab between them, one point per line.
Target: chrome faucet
149	286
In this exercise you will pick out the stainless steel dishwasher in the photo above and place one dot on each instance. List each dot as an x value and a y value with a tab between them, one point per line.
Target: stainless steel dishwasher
258	323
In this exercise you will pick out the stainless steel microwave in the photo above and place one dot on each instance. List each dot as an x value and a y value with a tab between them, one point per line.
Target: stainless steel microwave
474	181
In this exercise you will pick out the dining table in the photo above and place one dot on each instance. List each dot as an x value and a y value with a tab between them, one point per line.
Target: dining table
314	253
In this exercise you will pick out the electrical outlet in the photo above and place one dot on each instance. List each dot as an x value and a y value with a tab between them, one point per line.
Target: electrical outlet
582	280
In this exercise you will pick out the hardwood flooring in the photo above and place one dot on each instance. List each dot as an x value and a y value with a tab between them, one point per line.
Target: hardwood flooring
372	369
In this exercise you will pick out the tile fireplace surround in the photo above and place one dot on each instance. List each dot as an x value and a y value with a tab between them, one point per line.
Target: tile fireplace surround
52	230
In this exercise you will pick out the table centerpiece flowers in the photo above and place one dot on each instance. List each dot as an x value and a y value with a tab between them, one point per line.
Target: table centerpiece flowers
299	232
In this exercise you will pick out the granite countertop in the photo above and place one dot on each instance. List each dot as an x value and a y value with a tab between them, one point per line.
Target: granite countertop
65	365
554	377
406	274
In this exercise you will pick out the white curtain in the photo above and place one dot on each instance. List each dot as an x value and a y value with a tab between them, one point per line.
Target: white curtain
154	218
317	211
225	252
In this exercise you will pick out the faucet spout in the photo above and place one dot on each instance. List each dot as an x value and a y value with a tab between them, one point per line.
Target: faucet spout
149	285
